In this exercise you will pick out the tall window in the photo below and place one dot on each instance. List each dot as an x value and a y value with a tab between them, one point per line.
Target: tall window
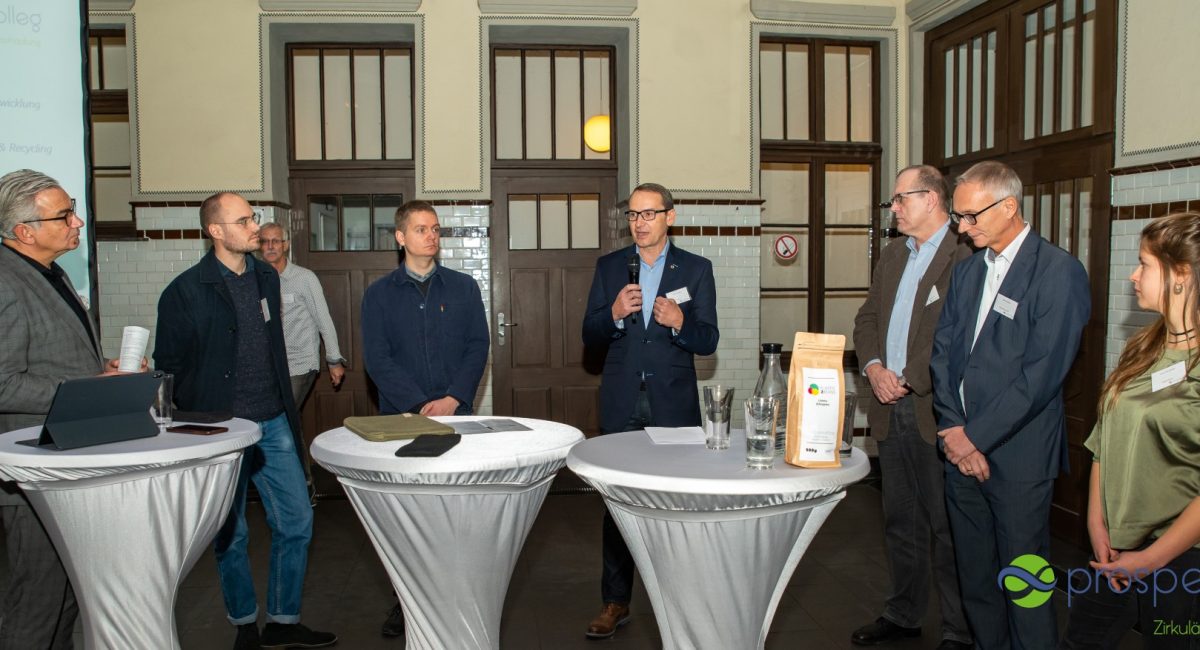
109	107
351	103
820	170
549	102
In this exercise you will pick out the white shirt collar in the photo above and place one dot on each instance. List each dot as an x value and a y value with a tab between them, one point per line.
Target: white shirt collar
1010	251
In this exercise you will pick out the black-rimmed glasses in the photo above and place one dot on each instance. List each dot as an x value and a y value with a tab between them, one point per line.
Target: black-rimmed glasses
243	222
644	215
899	198
971	218
64	216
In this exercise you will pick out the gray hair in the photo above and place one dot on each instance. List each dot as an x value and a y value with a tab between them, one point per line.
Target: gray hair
997	178
17	192
284	231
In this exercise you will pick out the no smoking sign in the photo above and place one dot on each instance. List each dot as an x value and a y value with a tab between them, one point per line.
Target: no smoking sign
786	247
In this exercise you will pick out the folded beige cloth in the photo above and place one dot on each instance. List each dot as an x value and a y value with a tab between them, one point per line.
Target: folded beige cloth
382	428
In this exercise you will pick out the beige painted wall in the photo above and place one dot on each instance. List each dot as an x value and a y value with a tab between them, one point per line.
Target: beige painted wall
694	112
198	95
1157	64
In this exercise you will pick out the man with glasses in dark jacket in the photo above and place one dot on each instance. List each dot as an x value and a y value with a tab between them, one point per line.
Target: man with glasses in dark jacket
219	331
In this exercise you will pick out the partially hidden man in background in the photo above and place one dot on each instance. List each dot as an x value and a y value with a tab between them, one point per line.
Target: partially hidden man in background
1007	338
653	328
220	332
425	335
893	336
48	337
306	321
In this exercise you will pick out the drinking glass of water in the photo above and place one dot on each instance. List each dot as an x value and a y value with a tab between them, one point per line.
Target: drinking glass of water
762	413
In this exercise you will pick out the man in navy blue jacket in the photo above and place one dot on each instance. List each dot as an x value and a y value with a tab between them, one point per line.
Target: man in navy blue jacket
653	328
1006	338
425	335
219	332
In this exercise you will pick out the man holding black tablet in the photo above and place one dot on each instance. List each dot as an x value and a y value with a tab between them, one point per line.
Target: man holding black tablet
49	337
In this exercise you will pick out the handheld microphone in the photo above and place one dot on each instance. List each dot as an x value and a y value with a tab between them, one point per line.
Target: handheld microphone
634	265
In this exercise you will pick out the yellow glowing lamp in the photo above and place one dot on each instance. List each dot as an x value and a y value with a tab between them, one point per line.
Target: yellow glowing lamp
595	133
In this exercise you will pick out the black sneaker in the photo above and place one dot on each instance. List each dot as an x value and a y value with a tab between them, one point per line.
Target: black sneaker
295	635
247	637
394	625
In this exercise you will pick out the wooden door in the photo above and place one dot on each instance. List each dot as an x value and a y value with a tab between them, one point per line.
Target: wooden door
343	231
547	233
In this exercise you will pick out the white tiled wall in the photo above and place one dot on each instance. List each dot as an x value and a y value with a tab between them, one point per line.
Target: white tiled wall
1124	316
1156	187
736	269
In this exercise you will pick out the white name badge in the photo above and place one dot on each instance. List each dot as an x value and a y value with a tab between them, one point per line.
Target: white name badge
1005	306
679	295
266	310
289	298
933	296
1169	376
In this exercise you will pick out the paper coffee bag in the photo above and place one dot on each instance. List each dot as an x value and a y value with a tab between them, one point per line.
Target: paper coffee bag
815	390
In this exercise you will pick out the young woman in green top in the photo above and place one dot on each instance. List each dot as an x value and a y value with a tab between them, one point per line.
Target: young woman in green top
1144	497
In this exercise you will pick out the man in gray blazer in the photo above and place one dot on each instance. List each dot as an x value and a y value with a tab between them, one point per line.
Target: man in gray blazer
49	337
893	336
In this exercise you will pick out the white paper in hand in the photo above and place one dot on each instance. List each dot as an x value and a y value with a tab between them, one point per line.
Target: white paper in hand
133	348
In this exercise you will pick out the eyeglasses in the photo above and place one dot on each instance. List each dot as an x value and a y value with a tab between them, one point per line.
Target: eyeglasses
272	242
64	216
243	222
971	218
899	198
645	215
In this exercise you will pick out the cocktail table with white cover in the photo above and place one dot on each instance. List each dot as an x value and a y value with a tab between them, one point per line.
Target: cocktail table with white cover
715	542
449	529
130	519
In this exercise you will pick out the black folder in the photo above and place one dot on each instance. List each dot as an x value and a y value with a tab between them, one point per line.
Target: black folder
99	410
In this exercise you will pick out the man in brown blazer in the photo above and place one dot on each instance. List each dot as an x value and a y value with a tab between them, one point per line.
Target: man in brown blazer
893	336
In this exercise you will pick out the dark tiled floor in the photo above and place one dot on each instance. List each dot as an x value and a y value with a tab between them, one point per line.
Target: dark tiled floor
840	585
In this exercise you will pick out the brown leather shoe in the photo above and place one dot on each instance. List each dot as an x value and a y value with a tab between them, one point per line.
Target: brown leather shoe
613	615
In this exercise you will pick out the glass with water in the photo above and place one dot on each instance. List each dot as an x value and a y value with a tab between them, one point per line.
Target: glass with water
762	414
718	404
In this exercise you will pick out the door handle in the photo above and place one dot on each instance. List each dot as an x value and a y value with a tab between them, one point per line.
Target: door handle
501	333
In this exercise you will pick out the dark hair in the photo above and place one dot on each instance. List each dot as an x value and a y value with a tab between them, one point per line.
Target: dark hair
405	211
1173	240
662	192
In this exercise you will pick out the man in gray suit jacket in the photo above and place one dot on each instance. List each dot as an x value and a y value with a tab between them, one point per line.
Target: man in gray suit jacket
893	336
49	337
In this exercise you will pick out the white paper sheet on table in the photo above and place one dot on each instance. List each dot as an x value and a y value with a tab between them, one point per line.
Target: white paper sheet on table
676	435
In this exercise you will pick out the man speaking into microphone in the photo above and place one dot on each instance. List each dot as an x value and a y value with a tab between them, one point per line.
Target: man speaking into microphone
654	306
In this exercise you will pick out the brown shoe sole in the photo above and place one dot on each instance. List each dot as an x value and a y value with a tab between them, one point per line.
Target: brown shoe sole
601	635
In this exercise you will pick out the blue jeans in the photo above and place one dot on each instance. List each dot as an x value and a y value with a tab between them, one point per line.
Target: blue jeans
274	466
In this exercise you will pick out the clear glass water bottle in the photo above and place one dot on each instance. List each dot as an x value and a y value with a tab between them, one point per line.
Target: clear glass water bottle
772	384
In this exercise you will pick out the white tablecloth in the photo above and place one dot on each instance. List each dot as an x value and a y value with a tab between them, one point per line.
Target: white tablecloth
129	520
449	529
715	542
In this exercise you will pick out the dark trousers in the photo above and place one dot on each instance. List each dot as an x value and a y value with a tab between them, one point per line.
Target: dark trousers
616	578
39	605
1099	617
994	522
916	527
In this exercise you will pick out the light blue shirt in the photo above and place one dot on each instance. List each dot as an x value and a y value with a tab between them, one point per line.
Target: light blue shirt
649	279
901	318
